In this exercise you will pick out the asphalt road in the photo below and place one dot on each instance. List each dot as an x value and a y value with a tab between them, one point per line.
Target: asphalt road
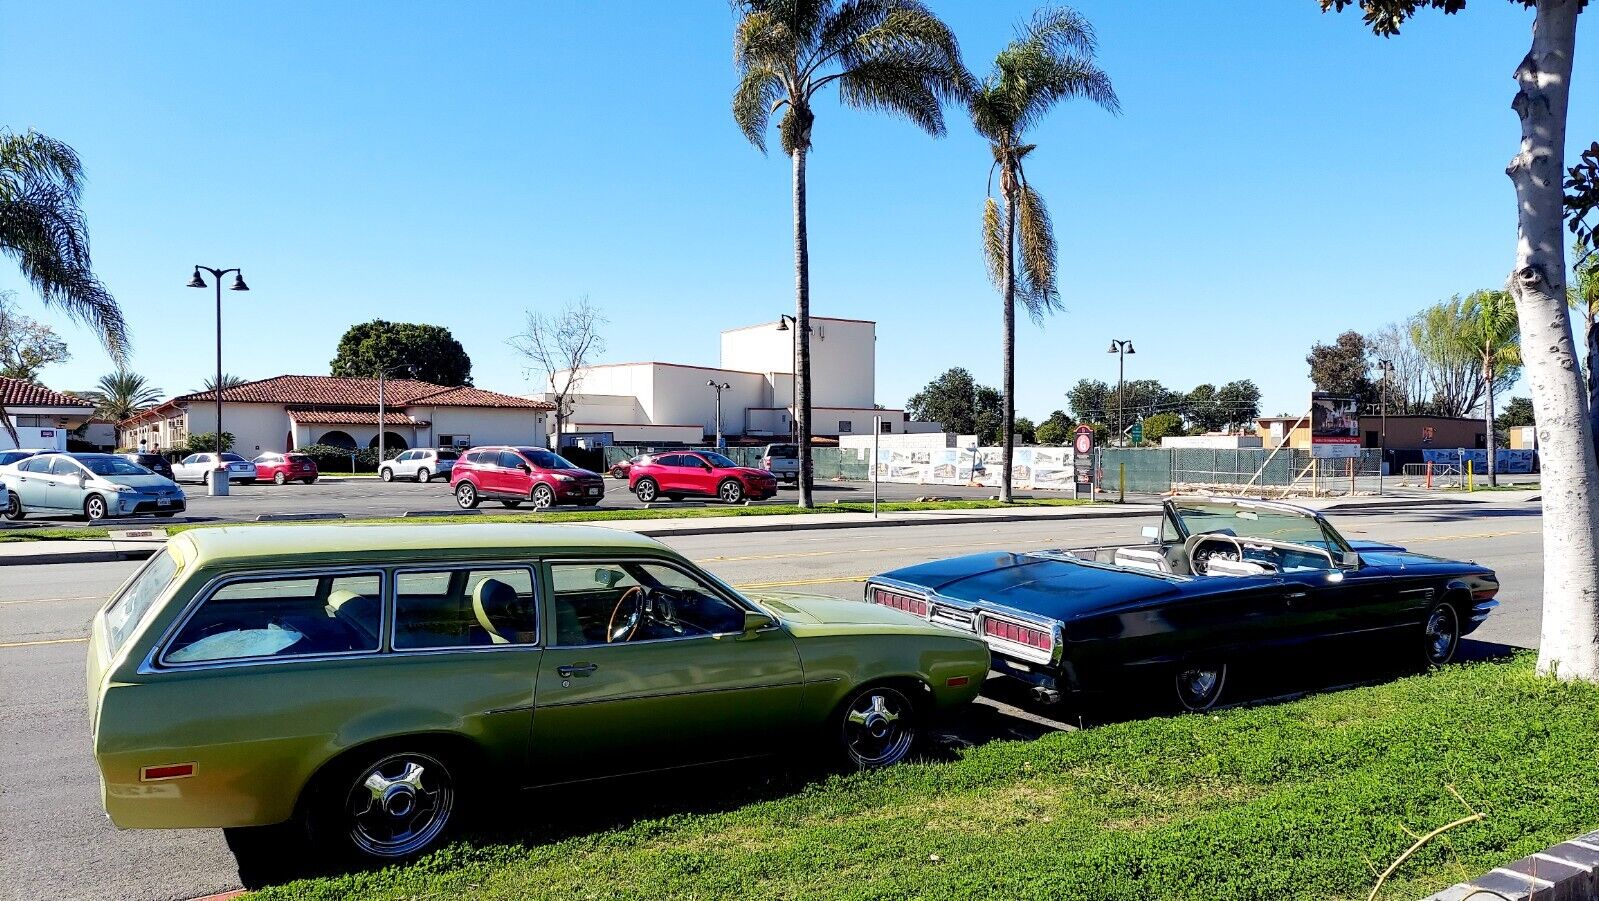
57	843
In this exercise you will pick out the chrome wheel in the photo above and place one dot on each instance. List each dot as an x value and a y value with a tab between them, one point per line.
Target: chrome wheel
466	495
279	479
1442	634
731	492
1199	687
878	727
94	508
645	489
399	805
543	497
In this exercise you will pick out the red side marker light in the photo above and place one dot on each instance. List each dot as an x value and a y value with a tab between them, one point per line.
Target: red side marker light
957	681
166	771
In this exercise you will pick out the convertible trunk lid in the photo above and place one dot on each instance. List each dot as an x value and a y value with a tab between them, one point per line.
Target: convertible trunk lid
1043	584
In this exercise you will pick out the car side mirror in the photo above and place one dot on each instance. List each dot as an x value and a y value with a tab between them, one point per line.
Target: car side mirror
1151	534
524	467
755	622
1350	560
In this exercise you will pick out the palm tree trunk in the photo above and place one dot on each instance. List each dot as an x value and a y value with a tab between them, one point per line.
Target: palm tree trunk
802	331
1593	380
1008	424
1569	643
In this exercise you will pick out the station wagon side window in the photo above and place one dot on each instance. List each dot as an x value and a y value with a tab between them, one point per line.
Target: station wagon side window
123	614
284	616
613	603
466	607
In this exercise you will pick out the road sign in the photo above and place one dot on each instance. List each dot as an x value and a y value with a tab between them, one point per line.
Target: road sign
1136	433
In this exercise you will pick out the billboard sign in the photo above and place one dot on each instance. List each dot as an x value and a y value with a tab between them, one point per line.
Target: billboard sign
1334	425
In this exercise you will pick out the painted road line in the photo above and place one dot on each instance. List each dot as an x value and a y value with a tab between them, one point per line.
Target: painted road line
43	641
756	586
865	550
86	597
1477	536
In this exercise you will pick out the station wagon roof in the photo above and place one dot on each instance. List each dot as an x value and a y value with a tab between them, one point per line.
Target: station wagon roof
398	542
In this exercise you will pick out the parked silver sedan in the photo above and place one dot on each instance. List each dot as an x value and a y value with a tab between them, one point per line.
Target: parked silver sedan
198	468
420	464
93	486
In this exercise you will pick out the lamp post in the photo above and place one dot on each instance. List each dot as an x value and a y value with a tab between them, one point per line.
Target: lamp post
719	388
1121	347
783	321
238	285
409	368
1387	368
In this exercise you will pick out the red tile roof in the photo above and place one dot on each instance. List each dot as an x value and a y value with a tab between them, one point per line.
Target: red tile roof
18	393
335	391
353	417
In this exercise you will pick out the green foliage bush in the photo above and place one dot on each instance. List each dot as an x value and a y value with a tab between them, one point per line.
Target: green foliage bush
332	458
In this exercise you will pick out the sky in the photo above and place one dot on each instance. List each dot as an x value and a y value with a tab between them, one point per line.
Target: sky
1276	176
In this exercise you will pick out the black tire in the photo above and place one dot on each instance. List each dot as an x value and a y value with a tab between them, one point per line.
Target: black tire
205	478
386	806
1440	634
466	495
876	726
589	503
730	492
311	481
543	497
13	511
423	476
511	504
386	474
1199	686
647	491
94	508
279	478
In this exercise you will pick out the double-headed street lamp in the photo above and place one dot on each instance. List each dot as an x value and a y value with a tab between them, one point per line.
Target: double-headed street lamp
719	389
1387	369
1121	347
238	285
409	369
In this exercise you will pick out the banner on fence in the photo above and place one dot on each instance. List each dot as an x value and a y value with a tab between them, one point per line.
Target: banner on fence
1506	460
1334	425
1031	467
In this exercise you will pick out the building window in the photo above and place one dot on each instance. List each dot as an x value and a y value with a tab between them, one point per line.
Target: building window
885	427
30	421
455	441
844	425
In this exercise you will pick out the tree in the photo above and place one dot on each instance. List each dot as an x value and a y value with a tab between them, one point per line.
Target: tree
1026	432
1056	430
1239	402
1442	335
1090	400
26	345
950	399
372	347
1583	295
1406	385
121	394
1050	60
206	442
1202	408
1342	367
890	56
1517	413
560	346
1161	425
1569	643
43	231
1495	337
229	380
990	416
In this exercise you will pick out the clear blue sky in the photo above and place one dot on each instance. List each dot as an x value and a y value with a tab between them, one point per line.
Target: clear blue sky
1277	176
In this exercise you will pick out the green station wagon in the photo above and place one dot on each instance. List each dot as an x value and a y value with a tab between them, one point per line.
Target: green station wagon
366	681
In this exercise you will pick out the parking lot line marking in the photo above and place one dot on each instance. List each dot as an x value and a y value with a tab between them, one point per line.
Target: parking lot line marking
1473	536
32	644
755	586
86	597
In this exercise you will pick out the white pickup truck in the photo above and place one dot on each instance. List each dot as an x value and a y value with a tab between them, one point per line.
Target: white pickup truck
782	460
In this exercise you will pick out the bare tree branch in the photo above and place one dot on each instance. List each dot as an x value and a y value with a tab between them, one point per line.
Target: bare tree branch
559	348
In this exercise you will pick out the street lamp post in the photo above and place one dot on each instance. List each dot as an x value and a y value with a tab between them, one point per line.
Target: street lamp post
719	389
409	368
1121	347
1387	368
238	285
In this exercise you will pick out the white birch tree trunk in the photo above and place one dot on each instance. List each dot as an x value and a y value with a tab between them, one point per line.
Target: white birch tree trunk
1569	644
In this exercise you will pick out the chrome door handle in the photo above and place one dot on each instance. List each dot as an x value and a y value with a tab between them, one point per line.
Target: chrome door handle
576	669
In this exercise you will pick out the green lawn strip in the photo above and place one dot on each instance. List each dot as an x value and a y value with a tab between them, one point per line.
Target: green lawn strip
71	533
1301	800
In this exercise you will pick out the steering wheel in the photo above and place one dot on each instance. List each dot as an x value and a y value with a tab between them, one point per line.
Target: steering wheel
1202	548
627	627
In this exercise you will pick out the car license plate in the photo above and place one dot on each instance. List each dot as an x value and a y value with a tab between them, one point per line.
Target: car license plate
163	502
594	491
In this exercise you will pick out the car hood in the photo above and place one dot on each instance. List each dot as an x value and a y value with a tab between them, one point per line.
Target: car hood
149	481
753	471
1042	584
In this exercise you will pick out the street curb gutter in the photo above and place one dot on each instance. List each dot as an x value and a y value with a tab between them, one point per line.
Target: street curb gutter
140	553
1568	871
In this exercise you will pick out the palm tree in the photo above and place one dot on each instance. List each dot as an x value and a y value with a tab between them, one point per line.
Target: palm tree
122	394
229	380
1494	335
1051	60
892	56
43	231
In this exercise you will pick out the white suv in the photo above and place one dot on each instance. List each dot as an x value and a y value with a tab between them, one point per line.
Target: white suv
420	465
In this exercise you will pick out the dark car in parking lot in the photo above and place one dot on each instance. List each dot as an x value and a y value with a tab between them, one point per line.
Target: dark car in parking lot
153	462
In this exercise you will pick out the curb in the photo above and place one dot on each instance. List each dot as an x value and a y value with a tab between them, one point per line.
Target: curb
1568	871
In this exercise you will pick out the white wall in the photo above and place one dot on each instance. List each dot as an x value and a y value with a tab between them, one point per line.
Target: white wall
843	358
35	438
486	425
252	425
683	398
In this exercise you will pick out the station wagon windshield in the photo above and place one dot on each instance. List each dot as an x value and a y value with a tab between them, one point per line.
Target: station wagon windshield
1247	522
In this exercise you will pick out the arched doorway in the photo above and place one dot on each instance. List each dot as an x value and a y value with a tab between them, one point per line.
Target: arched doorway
391	442
337	438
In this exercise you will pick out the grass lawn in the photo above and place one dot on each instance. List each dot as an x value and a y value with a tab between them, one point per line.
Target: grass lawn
71	533
1304	800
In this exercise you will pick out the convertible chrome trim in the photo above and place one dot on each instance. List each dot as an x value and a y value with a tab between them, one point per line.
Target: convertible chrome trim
1480	611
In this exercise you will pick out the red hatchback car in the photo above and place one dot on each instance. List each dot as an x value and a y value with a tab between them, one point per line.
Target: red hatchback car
512	475
677	475
282	468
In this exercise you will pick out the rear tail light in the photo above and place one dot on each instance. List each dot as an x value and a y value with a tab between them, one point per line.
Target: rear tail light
1483	594
766	462
1017	633
908	603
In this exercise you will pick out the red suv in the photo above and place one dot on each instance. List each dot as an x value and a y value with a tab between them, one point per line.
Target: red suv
676	475
512	475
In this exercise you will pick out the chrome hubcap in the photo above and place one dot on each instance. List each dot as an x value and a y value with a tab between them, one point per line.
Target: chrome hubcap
1199	687
400	805
464	495
1440	635
875	728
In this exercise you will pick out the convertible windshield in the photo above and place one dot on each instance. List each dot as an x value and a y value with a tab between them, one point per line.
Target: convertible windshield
112	466
1254	522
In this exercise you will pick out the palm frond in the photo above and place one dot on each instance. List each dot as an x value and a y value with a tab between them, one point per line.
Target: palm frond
761	39
1051	59
33	158
753	100
44	232
1035	246
908	64
994	242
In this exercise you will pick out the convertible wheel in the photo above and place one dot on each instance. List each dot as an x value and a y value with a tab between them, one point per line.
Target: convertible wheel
877	727
1199	686
94	508
647	490
466	496
279	479
392	808
543	498
731	492
14	509
1442	634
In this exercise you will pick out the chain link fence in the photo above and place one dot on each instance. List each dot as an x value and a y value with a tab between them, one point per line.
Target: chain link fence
828	462
1252	471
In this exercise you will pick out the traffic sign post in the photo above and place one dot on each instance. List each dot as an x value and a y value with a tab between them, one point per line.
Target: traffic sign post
1136	432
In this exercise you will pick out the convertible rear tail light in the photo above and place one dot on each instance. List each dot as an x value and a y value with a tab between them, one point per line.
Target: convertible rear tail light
1022	635
908	603
1483	594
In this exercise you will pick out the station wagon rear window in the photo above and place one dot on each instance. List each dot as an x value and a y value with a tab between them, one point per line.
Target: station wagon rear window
122	615
290	616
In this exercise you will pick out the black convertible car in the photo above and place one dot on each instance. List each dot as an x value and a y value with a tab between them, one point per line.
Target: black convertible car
1219	579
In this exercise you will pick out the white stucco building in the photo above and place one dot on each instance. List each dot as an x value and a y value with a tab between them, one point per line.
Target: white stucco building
650	402
41	417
